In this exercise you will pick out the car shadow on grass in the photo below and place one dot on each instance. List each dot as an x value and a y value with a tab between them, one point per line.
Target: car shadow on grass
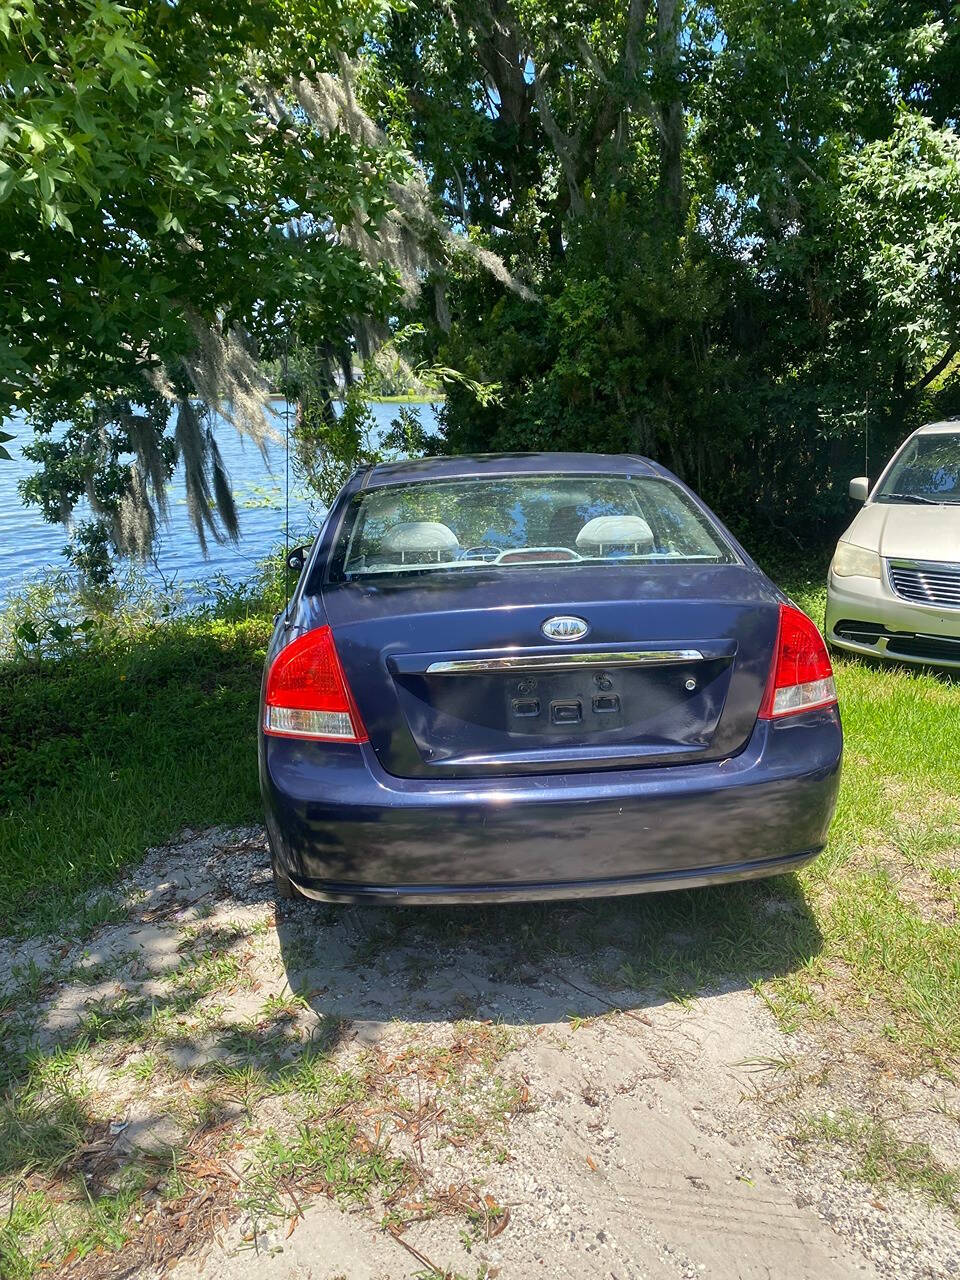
543	962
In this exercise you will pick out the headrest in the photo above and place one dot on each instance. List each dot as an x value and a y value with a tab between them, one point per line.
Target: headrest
419	535
615	531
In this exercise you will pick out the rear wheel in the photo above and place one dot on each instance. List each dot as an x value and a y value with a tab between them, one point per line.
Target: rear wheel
283	886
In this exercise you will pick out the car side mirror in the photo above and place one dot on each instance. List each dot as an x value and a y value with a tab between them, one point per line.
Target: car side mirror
297	558
859	489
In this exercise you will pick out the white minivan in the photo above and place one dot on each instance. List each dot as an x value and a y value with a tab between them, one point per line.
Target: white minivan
894	585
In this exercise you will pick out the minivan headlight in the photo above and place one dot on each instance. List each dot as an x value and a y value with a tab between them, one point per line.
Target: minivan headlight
851	561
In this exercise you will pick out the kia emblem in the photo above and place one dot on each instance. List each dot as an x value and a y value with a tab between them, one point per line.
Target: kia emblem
565	628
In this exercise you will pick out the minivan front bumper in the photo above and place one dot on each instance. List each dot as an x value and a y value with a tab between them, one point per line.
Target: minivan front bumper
344	830
865	616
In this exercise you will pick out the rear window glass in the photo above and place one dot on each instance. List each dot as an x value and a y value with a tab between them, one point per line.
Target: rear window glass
465	524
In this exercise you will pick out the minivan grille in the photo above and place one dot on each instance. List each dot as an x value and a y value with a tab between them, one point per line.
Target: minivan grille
929	582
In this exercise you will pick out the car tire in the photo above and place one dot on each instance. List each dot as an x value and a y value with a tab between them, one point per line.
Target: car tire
283	887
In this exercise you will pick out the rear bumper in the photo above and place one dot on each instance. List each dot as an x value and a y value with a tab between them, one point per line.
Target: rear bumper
651	882
346	831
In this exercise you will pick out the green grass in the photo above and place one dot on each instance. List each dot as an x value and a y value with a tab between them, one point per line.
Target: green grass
106	752
22	1245
328	1157
881	1159
884	893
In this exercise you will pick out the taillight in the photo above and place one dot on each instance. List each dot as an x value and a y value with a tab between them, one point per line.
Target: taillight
801	678
307	693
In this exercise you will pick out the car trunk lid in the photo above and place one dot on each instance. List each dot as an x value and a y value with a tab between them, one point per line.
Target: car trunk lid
455	678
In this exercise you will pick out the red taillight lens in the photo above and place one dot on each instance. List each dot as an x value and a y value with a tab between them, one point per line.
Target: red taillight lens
307	693
801	677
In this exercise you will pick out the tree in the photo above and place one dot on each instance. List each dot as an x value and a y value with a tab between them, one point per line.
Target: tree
738	225
168	207
740	221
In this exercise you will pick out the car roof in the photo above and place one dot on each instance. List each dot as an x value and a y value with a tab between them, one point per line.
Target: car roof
939	428
472	465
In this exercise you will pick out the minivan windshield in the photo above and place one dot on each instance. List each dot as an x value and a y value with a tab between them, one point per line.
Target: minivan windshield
505	522
927	471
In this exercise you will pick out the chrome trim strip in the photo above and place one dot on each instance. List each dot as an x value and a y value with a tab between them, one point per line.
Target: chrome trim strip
936	566
559	661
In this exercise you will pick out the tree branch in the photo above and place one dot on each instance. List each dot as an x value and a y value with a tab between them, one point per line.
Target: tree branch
565	147
621	88
636	21
936	370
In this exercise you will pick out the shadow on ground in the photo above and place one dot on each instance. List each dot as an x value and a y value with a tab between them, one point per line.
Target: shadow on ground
184	1022
199	981
541	963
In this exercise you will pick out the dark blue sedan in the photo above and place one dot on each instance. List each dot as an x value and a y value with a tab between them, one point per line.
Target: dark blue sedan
538	676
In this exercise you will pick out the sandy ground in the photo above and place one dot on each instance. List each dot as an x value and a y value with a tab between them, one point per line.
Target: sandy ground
551	1126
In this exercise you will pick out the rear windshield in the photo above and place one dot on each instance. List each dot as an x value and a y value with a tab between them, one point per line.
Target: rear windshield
465	524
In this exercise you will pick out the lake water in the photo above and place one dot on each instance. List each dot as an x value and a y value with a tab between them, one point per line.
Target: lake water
28	545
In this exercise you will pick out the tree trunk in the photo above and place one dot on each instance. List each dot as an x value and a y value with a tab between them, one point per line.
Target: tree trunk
670	100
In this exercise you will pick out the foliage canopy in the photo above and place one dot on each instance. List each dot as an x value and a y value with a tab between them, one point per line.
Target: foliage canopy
167	208
739	225
742	222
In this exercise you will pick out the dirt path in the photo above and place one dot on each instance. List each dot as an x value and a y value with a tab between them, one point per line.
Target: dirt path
474	1092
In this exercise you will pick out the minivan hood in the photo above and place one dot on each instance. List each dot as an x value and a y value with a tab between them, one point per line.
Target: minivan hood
904	531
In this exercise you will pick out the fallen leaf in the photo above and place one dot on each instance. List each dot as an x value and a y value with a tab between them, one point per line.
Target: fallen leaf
499	1225
291	1226
592	1163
